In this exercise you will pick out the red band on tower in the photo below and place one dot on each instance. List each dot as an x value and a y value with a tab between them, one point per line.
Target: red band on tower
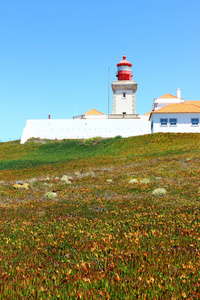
124	70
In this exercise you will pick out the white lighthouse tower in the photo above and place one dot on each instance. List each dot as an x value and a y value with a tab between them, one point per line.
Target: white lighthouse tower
124	90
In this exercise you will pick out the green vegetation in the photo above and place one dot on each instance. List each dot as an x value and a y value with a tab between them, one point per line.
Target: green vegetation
82	222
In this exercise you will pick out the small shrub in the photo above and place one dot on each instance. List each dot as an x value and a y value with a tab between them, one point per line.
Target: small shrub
117	137
145	180
36	141
66	178
159	192
133	180
109	180
50	195
90	173
77	173
92	141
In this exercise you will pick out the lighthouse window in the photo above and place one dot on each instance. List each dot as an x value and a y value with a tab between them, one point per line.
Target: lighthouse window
124	95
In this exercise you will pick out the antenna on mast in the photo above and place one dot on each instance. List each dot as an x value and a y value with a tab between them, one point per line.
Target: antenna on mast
108	92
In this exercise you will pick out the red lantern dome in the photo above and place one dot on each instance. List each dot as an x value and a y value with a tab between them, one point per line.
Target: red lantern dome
124	70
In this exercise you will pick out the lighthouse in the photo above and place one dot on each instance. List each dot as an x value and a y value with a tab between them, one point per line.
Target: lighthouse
124	90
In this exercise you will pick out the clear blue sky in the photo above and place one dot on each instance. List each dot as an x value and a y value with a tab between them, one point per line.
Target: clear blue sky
55	54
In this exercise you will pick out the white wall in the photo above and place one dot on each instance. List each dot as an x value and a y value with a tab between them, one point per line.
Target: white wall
124	104
80	129
183	122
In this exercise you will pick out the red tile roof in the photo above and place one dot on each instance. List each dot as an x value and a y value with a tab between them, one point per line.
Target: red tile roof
194	102
179	108
93	112
167	96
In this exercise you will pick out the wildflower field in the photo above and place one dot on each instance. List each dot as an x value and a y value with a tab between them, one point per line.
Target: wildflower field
101	218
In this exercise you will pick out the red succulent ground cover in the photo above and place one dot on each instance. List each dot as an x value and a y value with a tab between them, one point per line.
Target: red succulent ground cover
100	238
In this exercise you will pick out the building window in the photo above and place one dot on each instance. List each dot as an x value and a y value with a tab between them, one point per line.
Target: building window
173	122
163	122
195	122
124	95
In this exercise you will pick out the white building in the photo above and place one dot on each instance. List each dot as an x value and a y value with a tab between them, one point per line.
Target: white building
180	117
169	114
167	99
174	114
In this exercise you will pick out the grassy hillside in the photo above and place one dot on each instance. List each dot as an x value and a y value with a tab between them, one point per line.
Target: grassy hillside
101	218
72	153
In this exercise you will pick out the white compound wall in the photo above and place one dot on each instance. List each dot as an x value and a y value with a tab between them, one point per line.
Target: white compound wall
83	129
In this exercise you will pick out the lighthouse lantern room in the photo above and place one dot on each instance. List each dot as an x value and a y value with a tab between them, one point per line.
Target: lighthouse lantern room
124	90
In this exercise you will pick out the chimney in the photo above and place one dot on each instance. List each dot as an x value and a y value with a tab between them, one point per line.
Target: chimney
178	93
